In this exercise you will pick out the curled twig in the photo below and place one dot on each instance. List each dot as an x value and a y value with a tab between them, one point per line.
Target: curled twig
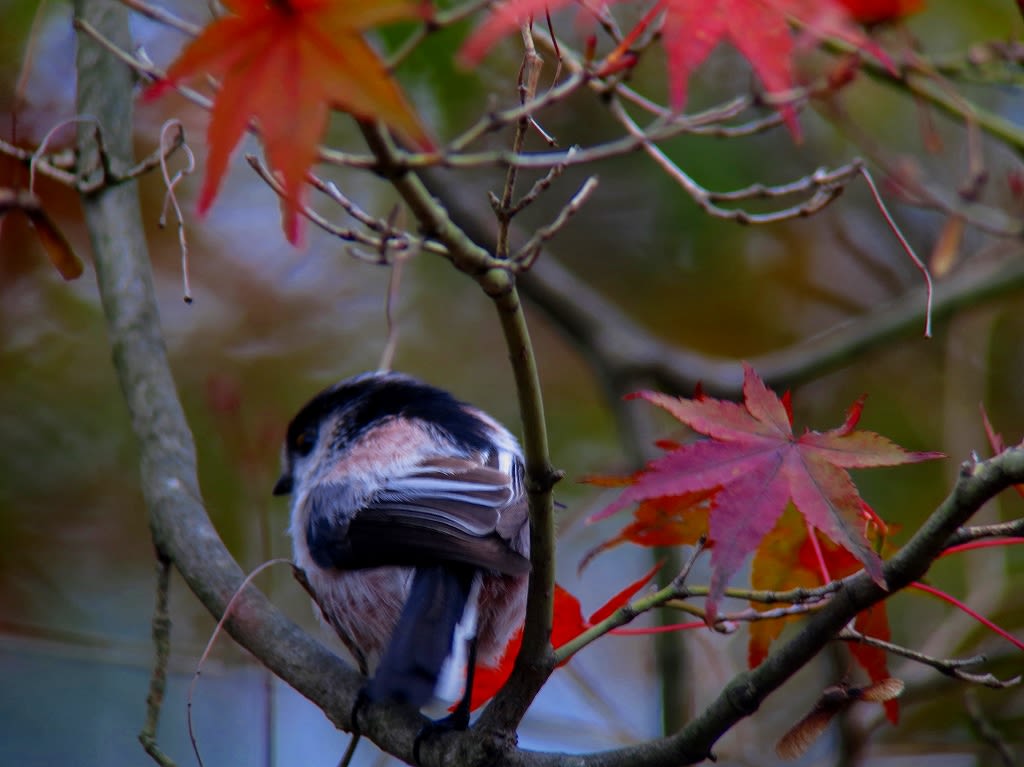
41	149
171	199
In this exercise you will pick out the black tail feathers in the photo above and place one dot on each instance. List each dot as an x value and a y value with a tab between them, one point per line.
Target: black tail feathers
423	638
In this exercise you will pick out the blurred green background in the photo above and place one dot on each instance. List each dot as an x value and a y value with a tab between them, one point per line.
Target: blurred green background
271	325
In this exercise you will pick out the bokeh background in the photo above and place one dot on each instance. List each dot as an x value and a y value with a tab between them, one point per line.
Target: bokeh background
271	325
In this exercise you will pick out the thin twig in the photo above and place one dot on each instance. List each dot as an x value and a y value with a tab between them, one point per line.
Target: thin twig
348	205
350	750
528	253
141	66
171	199
820	178
753	127
42	165
540	186
396	242
437	20
163	16
1011	529
41	149
822	195
394	283
158	679
953	667
209	647
987	731
529	74
698	548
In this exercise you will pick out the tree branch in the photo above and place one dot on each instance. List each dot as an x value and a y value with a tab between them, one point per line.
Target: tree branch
746	691
181	529
535	661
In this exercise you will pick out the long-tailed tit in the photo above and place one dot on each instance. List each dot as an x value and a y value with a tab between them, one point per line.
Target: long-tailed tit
409	519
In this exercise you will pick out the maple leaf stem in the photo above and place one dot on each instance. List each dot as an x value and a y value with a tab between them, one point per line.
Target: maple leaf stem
819	557
672	596
939	594
907	248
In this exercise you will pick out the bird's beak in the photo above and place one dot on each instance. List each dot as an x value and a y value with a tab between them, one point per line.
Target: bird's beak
283	486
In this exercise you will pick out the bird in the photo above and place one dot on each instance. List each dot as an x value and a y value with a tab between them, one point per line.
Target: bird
410	522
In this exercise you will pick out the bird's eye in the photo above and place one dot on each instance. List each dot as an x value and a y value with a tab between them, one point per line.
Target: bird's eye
305	441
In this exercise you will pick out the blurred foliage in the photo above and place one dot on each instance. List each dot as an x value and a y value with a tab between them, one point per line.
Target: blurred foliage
271	325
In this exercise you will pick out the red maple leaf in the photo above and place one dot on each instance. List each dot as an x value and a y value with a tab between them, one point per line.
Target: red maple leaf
568	623
760	466
285	63
670	520
759	30
691	29
511	15
877	11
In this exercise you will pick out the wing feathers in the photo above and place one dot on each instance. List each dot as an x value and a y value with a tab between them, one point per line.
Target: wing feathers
442	511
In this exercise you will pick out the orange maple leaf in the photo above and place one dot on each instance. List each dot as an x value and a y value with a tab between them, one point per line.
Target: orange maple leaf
786	559
285	63
670	520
